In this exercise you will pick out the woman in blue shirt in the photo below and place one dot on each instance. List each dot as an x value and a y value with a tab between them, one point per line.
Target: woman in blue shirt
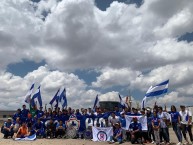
175	119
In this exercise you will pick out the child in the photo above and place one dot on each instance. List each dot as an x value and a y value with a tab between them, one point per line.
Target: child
156	127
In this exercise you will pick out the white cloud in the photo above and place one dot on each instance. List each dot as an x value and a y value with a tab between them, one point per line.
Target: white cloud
115	77
14	88
77	35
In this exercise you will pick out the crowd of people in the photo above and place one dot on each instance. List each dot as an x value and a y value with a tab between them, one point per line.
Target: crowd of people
51	123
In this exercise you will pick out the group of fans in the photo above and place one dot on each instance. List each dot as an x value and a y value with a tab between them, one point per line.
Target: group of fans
52	123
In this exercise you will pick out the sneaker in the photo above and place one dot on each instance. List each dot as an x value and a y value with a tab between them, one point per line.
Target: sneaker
179	143
152	142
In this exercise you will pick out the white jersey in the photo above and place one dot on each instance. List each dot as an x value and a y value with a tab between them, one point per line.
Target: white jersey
161	116
185	116
114	120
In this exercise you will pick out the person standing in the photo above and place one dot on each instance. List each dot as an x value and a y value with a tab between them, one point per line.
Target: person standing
163	126
186	123
175	119
156	127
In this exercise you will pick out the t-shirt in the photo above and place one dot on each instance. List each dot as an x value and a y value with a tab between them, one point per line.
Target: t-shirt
185	116
174	116
163	115
123	122
155	121
135	126
114	120
118	131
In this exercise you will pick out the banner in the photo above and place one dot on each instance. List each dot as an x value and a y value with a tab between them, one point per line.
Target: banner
141	119
29	138
101	133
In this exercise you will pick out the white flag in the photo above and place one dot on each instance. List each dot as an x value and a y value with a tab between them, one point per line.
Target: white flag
101	133
141	119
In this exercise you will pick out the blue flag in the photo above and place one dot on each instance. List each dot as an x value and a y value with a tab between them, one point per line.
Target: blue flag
29	93
96	102
55	99
122	103
63	99
36	96
156	90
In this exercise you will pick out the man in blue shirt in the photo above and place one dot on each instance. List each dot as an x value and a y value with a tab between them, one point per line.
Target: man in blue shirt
24	113
17	114
122	121
135	130
40	113
60	129
7	128
38	127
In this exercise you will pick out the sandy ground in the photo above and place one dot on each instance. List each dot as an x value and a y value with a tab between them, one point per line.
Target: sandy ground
66	141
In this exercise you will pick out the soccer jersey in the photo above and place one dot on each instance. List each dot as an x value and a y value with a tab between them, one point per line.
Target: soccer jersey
155	121
174	116
185	116
135	126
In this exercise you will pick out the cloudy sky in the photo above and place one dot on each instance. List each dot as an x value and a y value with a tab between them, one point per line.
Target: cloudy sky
95	47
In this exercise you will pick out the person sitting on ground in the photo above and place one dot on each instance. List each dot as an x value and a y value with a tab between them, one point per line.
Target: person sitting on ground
60	130
16	125
7	128
50	129
23	131
135	131
38	127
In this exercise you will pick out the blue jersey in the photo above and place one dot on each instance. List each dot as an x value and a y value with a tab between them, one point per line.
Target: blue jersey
155	121
38	126
39	113
16	115
174	116
135	126
149	119
24	113
116	132
8	124
122	121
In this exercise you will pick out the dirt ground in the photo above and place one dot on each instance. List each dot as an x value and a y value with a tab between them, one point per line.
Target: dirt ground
66	141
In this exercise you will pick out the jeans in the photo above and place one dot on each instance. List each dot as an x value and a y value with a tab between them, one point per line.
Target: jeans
150	133
177	131
116	140
186	128
157	136
164	134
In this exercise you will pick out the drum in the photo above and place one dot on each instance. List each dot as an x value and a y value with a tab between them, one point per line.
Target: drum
88	134
71	132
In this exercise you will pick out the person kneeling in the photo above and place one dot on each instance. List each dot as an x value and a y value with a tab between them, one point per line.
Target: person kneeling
117	135
60	130
50	129
135	131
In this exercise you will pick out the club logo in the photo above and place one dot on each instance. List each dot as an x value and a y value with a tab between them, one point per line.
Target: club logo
73	122
102	136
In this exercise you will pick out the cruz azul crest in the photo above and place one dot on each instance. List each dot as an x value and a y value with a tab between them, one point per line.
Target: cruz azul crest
102	136
73	122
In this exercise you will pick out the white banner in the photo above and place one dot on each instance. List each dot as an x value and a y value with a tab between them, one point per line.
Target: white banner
101	133
141	119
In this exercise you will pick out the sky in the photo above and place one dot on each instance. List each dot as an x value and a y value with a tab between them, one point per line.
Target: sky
92	47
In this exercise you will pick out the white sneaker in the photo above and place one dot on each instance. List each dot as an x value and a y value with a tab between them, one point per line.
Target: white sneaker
152	142
179	143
